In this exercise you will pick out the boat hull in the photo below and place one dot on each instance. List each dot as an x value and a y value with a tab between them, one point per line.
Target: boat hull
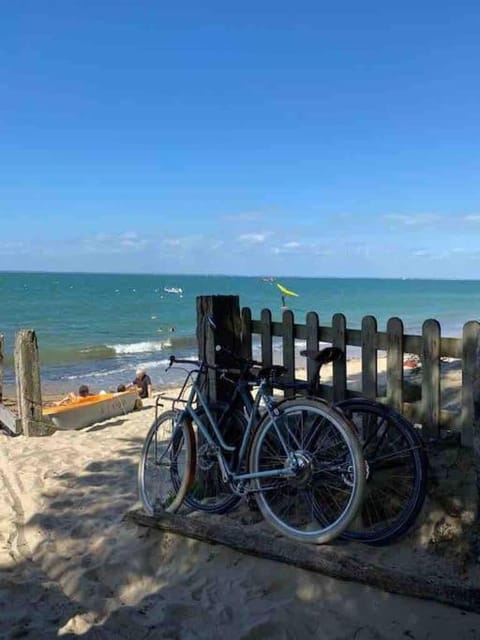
87	411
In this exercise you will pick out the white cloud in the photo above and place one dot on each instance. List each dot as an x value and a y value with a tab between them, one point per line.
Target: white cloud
102	243
13	248
249	216
474	218
414	220
254	238
303	248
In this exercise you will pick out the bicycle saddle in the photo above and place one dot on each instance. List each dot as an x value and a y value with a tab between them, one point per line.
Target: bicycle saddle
272	372
329	354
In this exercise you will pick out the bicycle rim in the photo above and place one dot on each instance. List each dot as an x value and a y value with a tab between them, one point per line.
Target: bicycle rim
397	472
167	464
322	497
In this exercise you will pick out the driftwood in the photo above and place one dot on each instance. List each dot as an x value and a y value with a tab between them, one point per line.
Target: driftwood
328	560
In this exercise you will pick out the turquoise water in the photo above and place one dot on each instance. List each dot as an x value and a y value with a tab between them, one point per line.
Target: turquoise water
97	328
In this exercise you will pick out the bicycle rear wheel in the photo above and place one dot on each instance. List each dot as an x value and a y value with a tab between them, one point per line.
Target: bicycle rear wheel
208	492
167	464
397	472
321	497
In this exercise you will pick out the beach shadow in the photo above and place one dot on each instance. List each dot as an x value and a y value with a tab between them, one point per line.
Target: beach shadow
121	580
106	425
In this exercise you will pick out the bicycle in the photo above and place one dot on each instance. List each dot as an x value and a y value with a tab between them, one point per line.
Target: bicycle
301	459
396	462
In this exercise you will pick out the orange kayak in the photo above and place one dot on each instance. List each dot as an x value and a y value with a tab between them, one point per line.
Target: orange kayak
83	412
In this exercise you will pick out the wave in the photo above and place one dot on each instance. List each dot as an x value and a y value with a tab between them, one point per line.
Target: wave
140	347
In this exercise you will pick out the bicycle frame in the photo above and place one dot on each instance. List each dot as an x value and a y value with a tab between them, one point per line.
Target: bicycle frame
218	443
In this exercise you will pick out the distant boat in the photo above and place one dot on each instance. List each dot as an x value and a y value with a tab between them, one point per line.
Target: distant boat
269	279
86	411
173	289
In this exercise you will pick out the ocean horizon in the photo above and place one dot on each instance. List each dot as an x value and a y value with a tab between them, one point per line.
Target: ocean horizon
97	328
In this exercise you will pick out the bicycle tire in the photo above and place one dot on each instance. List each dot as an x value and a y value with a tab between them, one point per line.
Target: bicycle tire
208	492
327	489
397	472
167	464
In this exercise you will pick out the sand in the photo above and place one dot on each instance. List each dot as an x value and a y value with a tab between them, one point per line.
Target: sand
71	566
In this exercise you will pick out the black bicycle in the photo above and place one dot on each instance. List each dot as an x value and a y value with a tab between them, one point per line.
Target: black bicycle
395	457
396	465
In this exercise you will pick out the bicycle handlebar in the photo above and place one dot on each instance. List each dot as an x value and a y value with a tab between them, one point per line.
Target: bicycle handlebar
243	362
199	364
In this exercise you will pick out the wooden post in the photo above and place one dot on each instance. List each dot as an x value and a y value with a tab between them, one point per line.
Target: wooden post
1	367
218	323
29	393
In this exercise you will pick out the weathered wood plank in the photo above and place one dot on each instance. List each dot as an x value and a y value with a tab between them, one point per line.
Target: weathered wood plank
312	340
470	382
395	363
10	420
339	326
369	357
327	560
29	390
288	347
431	377
218	323
246	336
266	337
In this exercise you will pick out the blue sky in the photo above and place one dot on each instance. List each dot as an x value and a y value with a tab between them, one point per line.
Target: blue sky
305	138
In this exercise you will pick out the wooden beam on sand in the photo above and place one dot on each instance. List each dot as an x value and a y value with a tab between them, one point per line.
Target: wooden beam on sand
328	560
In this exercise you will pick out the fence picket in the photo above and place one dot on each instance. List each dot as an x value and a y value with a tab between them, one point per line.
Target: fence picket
395	363
339	328
369	357
431	376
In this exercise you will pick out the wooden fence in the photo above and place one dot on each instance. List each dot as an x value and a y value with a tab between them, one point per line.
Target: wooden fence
238	330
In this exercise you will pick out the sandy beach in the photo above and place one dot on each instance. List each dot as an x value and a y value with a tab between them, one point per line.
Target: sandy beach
71	566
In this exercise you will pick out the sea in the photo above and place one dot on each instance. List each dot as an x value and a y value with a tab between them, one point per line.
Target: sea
97	329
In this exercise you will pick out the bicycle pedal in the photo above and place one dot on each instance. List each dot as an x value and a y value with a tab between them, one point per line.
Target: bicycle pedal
252	504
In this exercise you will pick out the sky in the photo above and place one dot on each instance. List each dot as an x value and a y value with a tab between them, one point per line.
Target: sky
252	138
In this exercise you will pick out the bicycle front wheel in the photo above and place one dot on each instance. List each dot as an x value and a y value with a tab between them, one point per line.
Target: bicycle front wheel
397	472
321	452
167	464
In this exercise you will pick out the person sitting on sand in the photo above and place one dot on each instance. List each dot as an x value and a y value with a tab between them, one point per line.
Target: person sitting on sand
83	392
143	383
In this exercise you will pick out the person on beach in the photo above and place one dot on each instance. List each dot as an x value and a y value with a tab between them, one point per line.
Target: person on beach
83	392
143	383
